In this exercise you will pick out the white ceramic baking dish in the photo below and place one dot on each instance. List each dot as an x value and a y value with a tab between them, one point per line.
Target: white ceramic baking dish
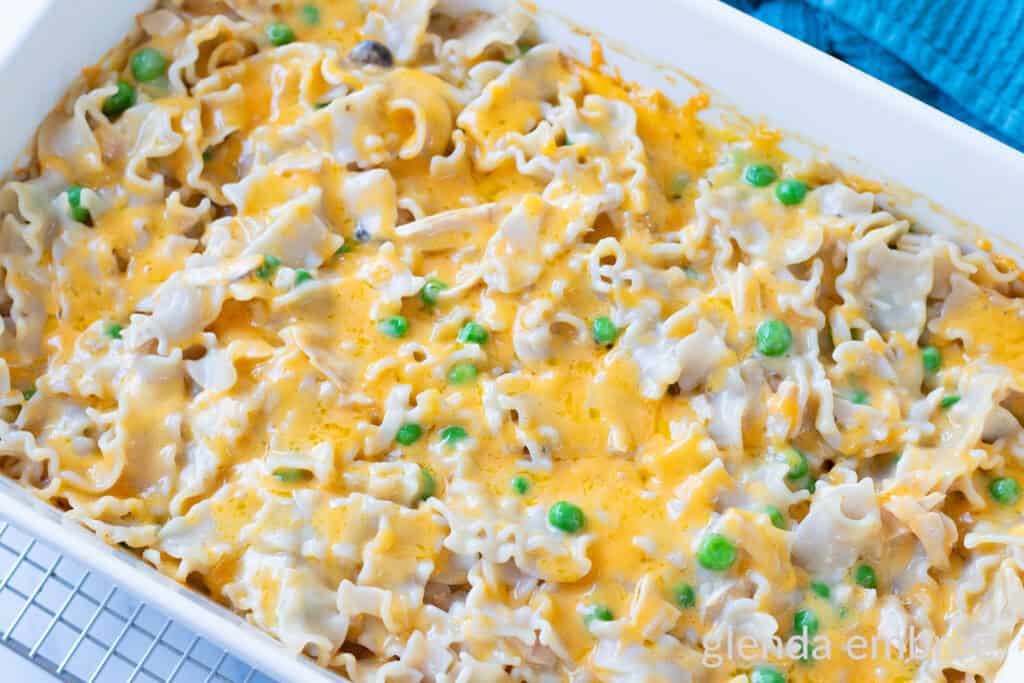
857	121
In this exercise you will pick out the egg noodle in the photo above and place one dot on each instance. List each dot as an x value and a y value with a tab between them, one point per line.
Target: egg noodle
442	356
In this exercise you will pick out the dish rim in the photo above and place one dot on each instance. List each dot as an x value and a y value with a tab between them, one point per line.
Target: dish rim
56	20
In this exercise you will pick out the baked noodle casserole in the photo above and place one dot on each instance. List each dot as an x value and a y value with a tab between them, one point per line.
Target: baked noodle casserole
442	356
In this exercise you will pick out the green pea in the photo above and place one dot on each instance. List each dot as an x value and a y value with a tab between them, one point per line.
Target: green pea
931	358
428	485
302	276
865	577
680	182
859	397
797	461
791	191
460	373
775	515
29	393
78	212
81	215
949	401
821	589
114	330
766	674
1004	490
806	622
520	484
716	552
473	333
409	433
268	267
310	14
121	101
280	34
148	64
431	291
292	475
604	330
602	613
773	337
74	194
685	596
566	517
395	326
759	175
452	435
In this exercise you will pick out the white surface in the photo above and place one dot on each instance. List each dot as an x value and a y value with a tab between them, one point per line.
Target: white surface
43	46
760	70
15	668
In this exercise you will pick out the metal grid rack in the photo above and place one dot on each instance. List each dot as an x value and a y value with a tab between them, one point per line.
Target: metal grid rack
81	628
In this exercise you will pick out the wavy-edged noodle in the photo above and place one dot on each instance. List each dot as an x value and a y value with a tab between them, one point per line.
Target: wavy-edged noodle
509	120
754	221
153	133
890	285
528	236
977	639
331	340
24	326
396	413
522	536
503	29
295	232
400	24
664	660
391	278
607	129
847	512
397	482
370	198
738	404
836	199
532	335
508	396
68	141
668	353
233	43
451	229
935	531
427	101
317	348
445	167
605	264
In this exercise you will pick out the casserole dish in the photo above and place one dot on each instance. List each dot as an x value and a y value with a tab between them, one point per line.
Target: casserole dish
829	104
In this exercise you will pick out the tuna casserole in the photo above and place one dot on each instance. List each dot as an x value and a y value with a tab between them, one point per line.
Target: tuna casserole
442	356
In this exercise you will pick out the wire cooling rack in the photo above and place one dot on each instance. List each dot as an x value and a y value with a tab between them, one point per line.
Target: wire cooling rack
81	628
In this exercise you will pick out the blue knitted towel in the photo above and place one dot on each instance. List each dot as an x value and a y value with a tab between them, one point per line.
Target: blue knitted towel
965	57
